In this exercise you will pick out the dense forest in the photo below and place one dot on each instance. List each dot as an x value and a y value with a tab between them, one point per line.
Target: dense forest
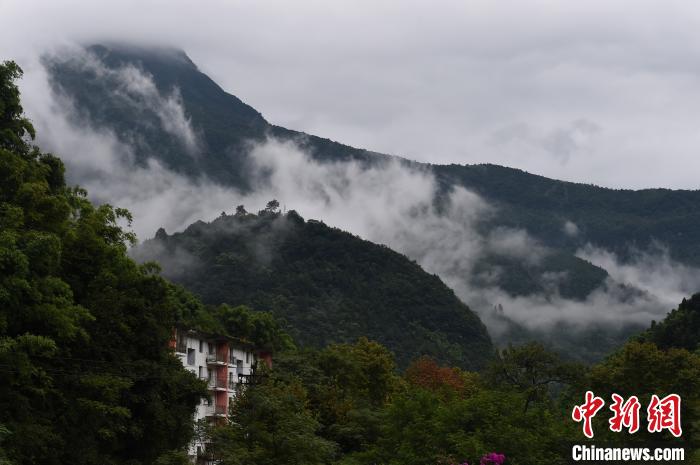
680	328
327	285
346	404
87	377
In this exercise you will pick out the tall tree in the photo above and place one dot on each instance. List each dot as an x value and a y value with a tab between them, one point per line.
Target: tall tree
87	375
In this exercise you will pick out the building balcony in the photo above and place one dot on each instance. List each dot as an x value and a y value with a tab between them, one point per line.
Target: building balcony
250	379
217	359
217	383
220	410
181	346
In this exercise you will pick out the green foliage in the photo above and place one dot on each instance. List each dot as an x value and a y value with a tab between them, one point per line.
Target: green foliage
532	371
348	386
260	328
643	369
358	410
86	374
14	127
572	277
680	328
424	428
328	286
271	424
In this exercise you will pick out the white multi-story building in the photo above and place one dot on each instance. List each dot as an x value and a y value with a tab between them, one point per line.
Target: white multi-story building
226	364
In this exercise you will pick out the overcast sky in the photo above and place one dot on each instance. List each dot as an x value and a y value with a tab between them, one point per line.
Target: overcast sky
597	91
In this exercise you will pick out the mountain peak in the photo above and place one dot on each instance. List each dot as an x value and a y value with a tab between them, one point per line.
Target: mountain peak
123	53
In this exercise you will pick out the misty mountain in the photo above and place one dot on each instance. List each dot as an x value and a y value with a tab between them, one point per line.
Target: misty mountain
224	125
616	219
105	94
563	259
328	285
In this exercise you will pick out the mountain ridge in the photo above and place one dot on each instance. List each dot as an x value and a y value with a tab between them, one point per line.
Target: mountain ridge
330	286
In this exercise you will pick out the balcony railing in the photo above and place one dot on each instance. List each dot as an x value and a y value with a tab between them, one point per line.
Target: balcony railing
220	409
218	383
250	379
216	358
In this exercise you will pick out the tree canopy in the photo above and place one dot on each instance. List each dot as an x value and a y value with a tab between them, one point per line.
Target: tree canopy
87	377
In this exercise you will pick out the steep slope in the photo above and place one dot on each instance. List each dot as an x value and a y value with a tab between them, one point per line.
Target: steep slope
679	329
329	285
108	90
612	218
106	94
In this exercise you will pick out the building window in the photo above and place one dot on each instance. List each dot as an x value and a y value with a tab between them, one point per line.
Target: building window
201	372
190	356
201	346
247	357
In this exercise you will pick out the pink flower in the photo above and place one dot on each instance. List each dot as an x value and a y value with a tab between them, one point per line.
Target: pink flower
493	458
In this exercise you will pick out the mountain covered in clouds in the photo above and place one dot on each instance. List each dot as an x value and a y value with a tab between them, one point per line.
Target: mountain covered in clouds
326	284
109	90
561	214
580	266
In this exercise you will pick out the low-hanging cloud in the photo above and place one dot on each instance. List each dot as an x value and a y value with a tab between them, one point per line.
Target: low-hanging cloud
391	203
134	88
395	205
105	164
434	81
652	269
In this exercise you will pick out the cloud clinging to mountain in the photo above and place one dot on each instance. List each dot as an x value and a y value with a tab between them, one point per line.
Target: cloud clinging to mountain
597	91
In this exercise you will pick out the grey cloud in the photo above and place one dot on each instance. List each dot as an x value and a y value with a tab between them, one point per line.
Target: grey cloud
570	228
559	144
434	82
393	205
652	270
134	87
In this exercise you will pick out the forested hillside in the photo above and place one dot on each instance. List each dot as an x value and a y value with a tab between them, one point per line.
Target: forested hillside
680	329
346	404
328	285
